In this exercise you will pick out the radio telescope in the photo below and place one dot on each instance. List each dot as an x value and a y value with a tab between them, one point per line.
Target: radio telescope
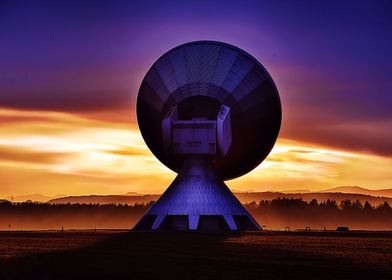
210	112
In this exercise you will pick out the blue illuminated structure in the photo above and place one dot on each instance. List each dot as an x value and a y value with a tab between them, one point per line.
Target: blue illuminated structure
210	112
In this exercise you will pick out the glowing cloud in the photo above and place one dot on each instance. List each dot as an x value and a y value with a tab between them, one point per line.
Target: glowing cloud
58	153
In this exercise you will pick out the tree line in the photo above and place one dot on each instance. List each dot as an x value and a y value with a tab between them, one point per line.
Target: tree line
277	214
34	215
330	205
298	213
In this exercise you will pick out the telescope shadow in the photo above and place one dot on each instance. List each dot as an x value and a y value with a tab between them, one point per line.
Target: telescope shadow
184	255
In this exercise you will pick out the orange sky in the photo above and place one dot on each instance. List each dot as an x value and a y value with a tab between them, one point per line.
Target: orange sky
71	72
55	153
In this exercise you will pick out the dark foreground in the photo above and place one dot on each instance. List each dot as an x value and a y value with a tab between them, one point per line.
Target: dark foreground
163	255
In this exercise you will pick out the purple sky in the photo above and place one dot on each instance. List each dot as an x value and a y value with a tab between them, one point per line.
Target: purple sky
331	61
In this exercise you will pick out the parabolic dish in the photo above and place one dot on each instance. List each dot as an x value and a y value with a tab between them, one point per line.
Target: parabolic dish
199	77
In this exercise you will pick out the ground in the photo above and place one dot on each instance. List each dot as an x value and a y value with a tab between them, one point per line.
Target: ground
168	255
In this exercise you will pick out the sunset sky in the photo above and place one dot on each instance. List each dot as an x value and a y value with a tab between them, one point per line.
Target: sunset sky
70	73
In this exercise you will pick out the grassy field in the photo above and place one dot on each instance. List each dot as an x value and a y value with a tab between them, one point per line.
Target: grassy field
166	255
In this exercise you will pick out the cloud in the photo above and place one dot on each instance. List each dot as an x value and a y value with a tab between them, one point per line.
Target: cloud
373	137
51	152
128	151
298	165
26	155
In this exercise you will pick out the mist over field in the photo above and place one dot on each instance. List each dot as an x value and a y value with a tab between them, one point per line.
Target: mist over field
277	213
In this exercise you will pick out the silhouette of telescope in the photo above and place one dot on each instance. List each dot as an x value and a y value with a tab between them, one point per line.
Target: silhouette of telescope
210	112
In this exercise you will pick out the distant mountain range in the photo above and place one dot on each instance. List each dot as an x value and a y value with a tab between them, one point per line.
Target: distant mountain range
356	189
338	197
243	197
32	197
106	199
375	197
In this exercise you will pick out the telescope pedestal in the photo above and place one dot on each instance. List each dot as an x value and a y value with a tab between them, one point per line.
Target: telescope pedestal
197	200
